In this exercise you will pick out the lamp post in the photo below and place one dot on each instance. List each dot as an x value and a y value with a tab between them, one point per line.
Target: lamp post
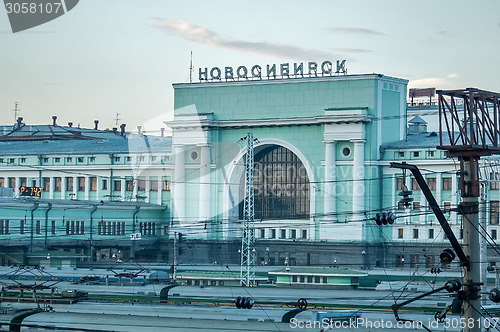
267	255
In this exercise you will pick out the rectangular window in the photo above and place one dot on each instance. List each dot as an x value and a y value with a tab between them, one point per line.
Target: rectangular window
69	159
118	185
294	278
21	226
400	233
447	206
399	183
45	160
317	280
415	233
446	183
429	261
91	159
430	153
141	185
401	154
81	183
128	159
46	184
166	185
400	260
38	229
69	184
293	234
53	227
93	183
414	261
431	233
414	184
23	181
104	184
153	185
57	160
401	205
129	184
431	182
57	184
416	154
273	234
117	159
283	233
22	160
153	158
494	184
494	234
416	205
79	159
2	182
304	233
494	209
262	233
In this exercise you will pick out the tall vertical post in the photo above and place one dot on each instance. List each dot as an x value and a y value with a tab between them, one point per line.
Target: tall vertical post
174	263
472	248
247	273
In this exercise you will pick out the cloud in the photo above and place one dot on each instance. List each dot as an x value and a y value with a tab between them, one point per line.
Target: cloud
350	50
210	38
355	31
448	82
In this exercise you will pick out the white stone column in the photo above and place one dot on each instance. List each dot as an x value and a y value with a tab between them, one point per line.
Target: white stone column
75	187
51	187
179	183
98	183
439	198
205	163
122	190
330	201
148	188
134	189
87	188
358	199
63	187
160	189
18	183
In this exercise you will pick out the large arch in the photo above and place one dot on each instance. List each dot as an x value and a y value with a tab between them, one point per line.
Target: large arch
233	195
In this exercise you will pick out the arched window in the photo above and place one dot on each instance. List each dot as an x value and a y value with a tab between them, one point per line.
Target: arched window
281	185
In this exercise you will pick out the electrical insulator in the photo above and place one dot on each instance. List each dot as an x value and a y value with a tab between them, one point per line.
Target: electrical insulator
447	256
244	302
385	218
494	295
406	200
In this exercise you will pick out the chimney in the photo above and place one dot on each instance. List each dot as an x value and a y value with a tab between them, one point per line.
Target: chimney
19	121
139	129
162	132
54	119
122	127
70	124
115	130
96	124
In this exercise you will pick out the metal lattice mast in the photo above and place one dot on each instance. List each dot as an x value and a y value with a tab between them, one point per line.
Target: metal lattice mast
247	274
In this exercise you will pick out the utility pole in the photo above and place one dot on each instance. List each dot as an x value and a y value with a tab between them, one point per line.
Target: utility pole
468	129
247	272
174	266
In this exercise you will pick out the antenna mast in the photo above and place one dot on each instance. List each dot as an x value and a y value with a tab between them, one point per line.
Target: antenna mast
191	68
16	110
247	274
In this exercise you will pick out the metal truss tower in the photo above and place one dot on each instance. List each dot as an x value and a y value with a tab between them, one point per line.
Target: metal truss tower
247	273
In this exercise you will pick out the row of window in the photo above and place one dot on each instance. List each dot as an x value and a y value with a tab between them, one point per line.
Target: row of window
80	183
416	154
446	183
88	160
430	233
415	261
310	279
272	234
77	227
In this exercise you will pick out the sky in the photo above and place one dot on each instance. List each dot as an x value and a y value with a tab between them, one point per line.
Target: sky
109	59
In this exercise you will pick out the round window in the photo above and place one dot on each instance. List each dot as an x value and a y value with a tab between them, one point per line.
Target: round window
193	155
346	151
